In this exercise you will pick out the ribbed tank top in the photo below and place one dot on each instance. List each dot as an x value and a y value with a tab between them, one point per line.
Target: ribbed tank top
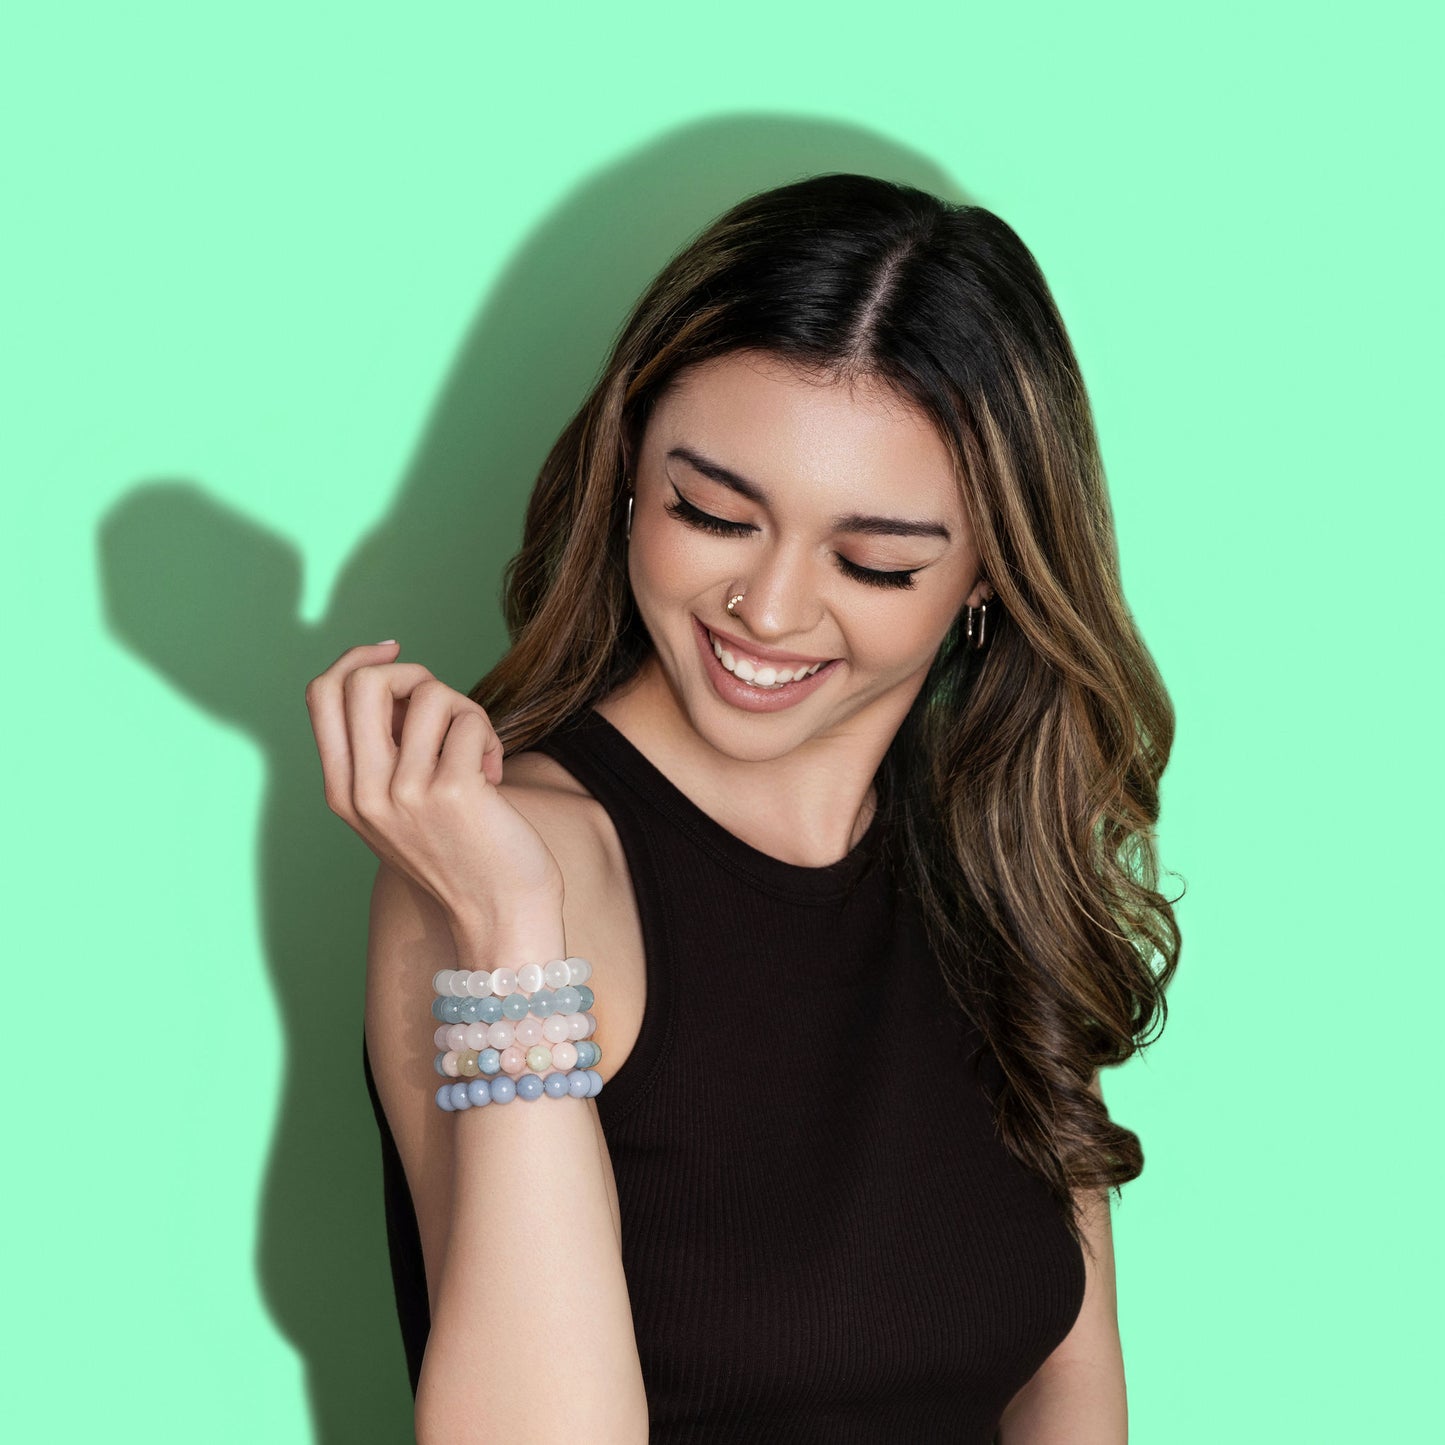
823	1238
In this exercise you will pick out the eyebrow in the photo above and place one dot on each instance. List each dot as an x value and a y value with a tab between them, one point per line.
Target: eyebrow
846	522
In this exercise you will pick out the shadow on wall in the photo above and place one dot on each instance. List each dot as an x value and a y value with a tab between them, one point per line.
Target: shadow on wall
210	600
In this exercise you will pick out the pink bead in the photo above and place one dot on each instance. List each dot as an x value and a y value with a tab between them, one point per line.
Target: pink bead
576	1026
504	981
555	1027
456	1037
591	1025
501	1034
564	1056
449	1063
442	1036
475	1037
514	1061
529	1031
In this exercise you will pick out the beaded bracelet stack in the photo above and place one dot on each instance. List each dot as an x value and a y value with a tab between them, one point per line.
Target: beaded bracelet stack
494	1024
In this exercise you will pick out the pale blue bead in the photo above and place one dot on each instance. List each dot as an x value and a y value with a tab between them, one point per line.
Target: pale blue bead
514	1007
587	996
503	1089
489	1009
479	1091
439	1010
569	1000
489	1061
556	1085
577	1084
437	1065
444	1098
596	1079
593	1051
530	1087
459	1095
449	1010
468	1010
544	1001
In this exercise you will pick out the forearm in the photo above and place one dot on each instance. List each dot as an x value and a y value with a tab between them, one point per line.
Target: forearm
1069	1402
532	1337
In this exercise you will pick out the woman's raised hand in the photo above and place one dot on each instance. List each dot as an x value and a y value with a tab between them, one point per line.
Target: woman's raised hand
413	766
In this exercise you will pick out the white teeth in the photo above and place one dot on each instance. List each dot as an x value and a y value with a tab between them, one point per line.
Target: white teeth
763	675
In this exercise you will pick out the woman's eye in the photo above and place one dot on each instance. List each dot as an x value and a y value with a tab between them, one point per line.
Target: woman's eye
684	511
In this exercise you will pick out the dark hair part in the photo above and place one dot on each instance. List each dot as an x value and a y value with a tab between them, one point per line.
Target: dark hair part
1022	789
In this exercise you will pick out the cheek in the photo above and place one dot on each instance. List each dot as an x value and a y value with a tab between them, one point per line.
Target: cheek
899	639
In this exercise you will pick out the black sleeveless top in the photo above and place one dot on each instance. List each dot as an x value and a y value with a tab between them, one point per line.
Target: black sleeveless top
822	1236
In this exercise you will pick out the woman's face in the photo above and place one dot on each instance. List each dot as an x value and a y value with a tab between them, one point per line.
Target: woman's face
812	484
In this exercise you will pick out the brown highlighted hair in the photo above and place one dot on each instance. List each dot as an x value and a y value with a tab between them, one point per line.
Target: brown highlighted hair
1022	789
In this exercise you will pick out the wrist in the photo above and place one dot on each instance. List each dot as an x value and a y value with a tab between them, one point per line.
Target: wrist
527	933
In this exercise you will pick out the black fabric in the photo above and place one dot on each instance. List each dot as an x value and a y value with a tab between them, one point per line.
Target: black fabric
823	1238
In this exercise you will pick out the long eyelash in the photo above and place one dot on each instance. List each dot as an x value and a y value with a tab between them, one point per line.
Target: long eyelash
684	511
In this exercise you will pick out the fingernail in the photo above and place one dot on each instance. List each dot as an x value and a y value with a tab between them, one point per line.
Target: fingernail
386	642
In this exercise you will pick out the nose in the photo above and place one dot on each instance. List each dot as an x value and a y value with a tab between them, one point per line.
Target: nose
782	598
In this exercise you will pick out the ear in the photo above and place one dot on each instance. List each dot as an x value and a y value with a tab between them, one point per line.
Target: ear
982	592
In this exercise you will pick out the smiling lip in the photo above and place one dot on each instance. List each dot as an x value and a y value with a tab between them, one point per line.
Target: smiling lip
739	648
739	694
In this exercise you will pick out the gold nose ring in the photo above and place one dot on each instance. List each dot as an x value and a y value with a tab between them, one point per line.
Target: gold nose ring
732	602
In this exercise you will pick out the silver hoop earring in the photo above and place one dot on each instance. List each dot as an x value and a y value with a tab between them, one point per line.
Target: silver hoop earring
982	611
629	514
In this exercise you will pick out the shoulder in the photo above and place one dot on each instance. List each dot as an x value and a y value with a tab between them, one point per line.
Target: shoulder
573	824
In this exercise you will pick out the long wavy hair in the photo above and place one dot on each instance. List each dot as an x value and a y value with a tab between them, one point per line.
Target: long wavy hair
1022	789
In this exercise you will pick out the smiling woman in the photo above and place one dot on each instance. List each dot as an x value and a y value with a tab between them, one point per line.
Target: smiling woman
829	736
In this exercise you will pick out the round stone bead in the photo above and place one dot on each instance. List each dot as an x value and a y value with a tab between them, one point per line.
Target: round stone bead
469	1010
456	1036
503	1090
591	1024
539	1058
568	1000
581	969
440	1037
529	1087
449	1063
479	983
438	1064
544	1002
446	1009
474	1036
596	1079
578	1084
444	1098
489	1010
442	981
513	1061
556	1028
504	981
587	1054
564	1056
576	1027
467	1064
479	1091
439	1010
457	983
529	977
489	1061
501	1034
460	1099
515	1006
529	1032
556	1086
588	998
556	973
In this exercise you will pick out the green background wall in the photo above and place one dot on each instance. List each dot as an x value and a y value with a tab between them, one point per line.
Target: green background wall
296	298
